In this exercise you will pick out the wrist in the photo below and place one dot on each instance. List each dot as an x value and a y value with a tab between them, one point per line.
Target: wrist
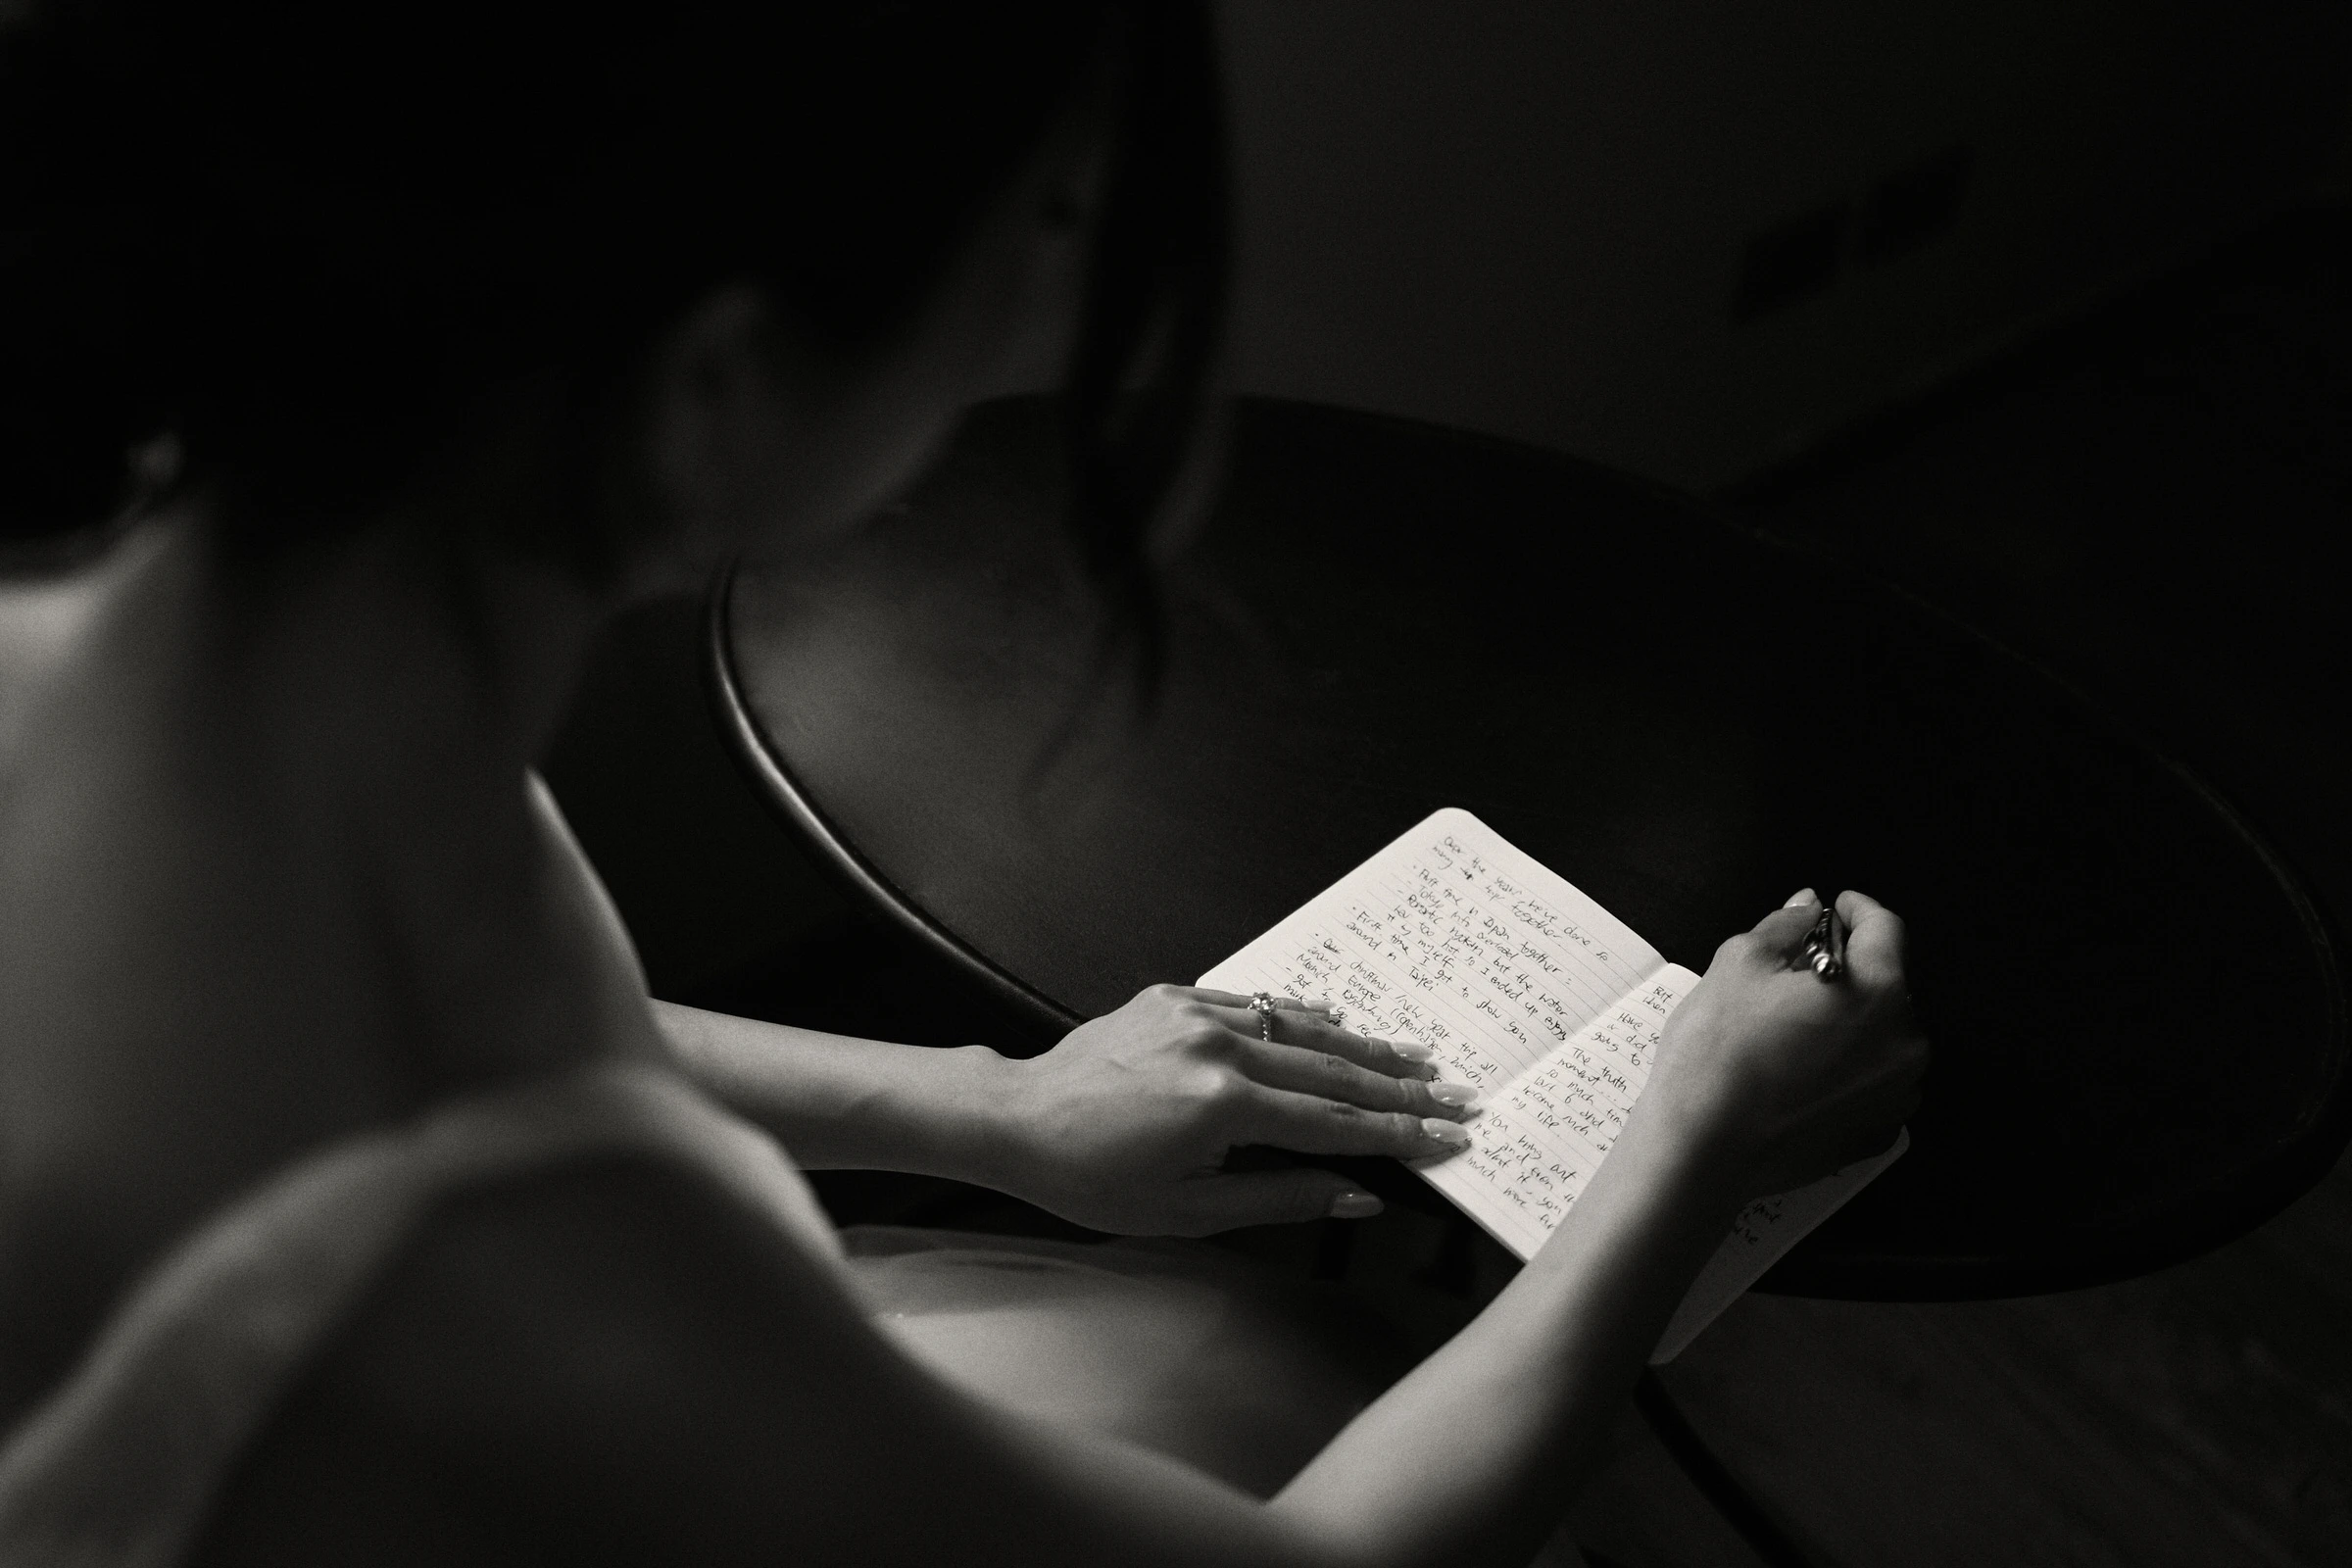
1707	1118
1691	1159
975	1123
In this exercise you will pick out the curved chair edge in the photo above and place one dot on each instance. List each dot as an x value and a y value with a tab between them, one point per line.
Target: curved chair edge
865	885
2289	1170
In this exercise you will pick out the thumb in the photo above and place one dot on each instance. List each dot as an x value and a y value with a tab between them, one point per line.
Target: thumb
1277	1197
1780	931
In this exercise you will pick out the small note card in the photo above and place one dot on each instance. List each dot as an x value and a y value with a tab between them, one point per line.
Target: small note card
1544	1002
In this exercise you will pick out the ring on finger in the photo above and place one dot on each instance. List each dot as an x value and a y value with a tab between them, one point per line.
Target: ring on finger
1263	1003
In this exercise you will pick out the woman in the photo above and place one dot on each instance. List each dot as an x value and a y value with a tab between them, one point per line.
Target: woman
356	1202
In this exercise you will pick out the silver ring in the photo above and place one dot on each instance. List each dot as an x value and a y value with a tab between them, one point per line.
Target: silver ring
1819	955
1261	1003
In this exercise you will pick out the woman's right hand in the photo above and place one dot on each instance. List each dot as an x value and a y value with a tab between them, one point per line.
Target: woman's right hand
1779	1076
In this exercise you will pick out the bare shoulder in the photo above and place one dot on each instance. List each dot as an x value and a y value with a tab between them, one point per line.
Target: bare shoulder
615	1363
608	1363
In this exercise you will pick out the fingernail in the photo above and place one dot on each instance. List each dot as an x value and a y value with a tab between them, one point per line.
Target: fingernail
1353	1204
1801	896
1444	1132
1461	1097
1336	1014
1409	1049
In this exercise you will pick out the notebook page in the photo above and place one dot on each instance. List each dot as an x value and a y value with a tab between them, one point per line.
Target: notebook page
1535	1143
1451	937
1540	997
1760	1237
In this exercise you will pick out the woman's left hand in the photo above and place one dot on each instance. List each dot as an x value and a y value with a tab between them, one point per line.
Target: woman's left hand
1125	1125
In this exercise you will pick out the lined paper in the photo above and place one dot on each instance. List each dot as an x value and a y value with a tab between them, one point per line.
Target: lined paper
1528	990
1451	937
1537	1141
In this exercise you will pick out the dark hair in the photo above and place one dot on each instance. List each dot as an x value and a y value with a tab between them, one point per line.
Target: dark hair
299	239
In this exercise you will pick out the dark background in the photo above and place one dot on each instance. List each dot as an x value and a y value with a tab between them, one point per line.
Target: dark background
2041	312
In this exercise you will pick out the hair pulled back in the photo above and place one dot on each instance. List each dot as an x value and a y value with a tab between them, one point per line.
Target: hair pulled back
302	240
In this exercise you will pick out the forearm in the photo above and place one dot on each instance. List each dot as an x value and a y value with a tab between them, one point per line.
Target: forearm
839	1102
1473	1457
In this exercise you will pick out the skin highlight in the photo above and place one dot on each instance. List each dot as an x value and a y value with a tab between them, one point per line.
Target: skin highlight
277	873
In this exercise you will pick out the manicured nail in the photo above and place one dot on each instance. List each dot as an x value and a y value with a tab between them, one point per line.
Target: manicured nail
1444	1132
1353	1204
1457	1097
1409	1049
1801	896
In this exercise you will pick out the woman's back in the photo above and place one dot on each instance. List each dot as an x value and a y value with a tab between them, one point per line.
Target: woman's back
532	1317
222	955
440	333
126	1461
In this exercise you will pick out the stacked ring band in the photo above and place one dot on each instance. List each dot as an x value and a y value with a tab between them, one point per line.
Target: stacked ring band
1261	1003
1821	954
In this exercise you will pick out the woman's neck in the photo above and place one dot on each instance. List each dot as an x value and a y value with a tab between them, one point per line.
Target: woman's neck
273	872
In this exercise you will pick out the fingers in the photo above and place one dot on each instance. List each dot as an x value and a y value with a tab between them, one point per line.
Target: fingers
1234	998
1311	1055
1874	943
1310	1026
1310	1124
1782	933
1874	933
1334	1077
1274	1197
1312	1031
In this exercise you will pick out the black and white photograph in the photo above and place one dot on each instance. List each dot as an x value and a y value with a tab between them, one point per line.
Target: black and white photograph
1206	783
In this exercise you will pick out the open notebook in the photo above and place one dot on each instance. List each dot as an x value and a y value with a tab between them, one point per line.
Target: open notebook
1546	1003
